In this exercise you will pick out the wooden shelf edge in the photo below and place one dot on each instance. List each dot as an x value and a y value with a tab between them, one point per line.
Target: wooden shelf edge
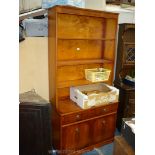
82	62
73	107
63	38
66	84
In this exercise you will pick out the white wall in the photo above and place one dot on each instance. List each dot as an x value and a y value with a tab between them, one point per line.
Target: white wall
33	65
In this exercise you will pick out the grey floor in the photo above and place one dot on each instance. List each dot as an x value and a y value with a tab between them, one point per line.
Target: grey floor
104	150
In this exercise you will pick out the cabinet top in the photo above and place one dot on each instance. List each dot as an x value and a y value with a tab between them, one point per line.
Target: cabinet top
31	97
82	11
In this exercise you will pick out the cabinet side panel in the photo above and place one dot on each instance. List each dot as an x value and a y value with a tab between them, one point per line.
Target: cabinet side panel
52	54
56	130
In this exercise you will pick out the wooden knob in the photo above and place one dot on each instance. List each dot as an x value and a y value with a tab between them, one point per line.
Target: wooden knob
78	49
103	122
77	130
104	110
77	116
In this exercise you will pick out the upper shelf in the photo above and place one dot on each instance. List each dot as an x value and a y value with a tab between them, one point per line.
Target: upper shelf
85	38
82	62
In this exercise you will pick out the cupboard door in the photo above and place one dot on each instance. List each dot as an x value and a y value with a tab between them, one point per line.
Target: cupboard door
104	128
75	137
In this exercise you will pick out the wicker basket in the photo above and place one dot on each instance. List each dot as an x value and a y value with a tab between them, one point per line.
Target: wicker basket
97	74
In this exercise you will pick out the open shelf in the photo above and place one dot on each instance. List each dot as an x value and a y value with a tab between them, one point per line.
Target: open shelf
86	38
82	62
65	84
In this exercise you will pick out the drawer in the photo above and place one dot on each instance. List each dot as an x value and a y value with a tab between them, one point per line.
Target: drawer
75	117
105	109
89	113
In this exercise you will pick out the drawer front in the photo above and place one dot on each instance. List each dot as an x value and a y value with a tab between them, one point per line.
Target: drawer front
74	117
89	113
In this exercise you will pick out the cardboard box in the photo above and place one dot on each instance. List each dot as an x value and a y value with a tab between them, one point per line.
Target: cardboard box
128	131
50	3
87	96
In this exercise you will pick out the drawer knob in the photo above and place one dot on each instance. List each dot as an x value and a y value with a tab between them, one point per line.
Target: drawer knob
103	122
77	130
78	49
104	110
77	116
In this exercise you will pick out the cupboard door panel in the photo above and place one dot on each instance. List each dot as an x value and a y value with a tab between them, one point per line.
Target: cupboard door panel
104	128
75	137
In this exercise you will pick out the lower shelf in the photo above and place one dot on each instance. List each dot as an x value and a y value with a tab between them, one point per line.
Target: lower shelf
80	62
65	84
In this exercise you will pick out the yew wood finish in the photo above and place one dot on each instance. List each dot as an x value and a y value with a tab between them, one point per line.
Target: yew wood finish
79	39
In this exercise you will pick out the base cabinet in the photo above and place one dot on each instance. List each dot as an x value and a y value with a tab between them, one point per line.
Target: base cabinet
34	129
83	136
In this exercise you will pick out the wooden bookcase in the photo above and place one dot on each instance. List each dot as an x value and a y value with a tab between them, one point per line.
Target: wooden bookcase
79	39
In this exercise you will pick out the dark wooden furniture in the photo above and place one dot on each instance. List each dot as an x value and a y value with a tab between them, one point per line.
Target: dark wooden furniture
125	66
79	39
119	2
34	125
126	107
121	147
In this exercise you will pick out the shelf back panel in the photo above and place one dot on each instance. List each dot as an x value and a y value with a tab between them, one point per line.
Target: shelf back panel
109	50
70	73
75	26
80	49
111	28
